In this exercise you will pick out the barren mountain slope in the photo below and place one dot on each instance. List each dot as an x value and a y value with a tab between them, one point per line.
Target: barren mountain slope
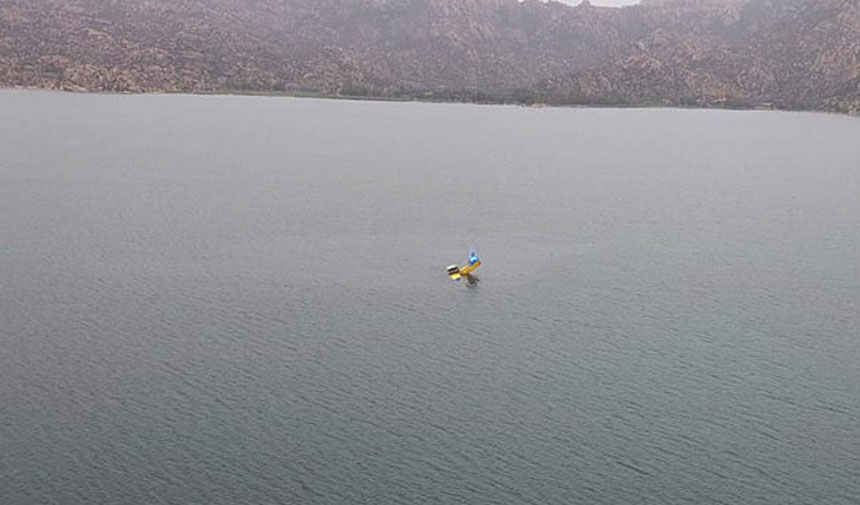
790	53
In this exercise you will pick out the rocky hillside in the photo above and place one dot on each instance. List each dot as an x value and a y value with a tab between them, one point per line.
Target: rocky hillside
800	54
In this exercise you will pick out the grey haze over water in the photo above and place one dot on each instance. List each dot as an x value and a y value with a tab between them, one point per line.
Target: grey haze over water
235	300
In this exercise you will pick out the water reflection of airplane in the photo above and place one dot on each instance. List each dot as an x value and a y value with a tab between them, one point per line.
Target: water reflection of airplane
465	272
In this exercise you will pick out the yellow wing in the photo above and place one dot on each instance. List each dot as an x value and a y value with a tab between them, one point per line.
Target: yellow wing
465	270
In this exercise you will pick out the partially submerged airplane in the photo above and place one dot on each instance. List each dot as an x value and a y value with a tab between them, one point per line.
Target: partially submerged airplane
456	273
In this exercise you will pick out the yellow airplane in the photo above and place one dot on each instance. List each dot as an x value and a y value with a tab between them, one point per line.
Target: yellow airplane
456	273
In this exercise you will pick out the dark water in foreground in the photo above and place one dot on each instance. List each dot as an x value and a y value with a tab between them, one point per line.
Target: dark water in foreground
225	300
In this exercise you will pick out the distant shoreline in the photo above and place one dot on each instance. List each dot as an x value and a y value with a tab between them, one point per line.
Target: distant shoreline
432	100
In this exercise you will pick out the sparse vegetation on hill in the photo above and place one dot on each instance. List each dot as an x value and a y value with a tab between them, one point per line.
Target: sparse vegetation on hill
798	54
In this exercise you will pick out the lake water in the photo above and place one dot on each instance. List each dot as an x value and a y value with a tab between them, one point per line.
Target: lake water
238	300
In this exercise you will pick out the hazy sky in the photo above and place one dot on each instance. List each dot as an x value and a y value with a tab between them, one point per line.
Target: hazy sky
613	3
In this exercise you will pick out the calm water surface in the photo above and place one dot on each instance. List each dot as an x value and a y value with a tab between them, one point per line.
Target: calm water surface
228	300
